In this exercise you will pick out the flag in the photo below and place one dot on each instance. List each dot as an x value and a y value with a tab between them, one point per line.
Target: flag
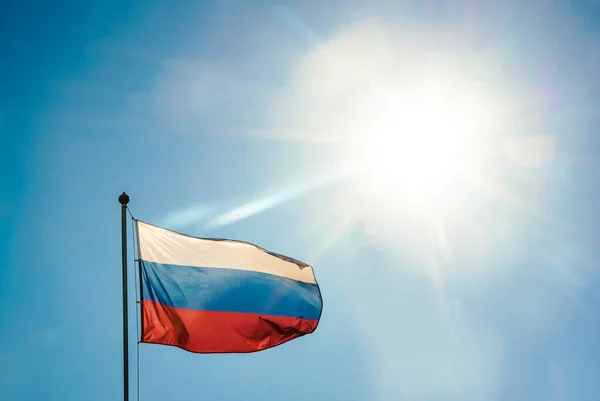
221	296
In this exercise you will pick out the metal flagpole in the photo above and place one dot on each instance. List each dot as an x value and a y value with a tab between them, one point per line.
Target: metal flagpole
124	200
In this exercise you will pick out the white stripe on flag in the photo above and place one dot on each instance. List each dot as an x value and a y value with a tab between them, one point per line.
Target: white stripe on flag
168	247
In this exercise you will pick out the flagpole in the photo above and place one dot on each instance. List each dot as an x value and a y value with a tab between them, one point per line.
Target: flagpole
124	200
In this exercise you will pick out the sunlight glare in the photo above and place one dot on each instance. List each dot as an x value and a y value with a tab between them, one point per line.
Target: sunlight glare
420	139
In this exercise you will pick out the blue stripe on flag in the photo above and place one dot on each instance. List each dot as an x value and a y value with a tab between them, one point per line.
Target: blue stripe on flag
229	290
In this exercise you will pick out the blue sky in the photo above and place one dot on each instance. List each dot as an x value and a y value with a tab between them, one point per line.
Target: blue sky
232	119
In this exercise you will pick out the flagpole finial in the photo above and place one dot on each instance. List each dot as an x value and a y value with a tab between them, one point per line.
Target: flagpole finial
124	199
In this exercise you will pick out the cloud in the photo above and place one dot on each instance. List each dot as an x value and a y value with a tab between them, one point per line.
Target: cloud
330	84
194	91
279	197
187	216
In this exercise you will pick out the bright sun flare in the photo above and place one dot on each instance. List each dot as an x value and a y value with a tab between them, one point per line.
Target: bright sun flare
421	140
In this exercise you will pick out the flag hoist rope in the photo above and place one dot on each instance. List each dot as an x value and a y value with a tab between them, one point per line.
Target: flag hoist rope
138	297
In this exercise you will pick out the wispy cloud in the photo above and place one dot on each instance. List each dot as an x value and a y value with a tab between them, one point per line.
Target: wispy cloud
267	202
187	216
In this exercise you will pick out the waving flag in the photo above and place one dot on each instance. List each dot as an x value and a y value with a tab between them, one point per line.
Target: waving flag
222	296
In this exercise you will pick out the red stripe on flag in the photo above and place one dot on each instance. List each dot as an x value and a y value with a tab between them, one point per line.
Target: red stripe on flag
218	332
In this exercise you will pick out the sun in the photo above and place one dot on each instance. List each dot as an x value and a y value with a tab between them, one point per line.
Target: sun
422	138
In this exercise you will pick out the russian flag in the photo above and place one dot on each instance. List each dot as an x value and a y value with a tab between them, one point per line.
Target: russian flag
221	296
